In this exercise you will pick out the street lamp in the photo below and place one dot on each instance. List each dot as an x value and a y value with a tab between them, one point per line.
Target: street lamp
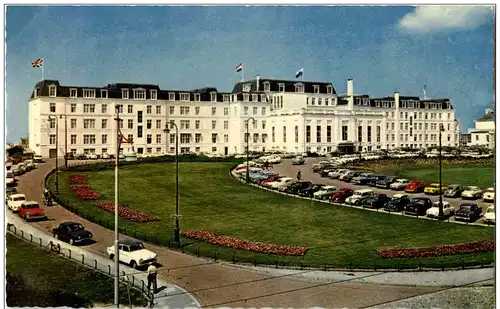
57	152
248	149
65	139
441	215
177	238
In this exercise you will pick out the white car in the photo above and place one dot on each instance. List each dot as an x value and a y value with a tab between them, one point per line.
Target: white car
337	173
489	195
92	156
359	196
472	192
38	158
132	253
29	164
105	156
10	180
281	183
489	216
324	192
433	212
15	200
399	184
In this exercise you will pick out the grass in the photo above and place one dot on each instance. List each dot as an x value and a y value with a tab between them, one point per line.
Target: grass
210	199
41	269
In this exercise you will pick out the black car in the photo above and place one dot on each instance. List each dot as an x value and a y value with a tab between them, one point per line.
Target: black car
454	191
372	180
468	212
72	232
295	188
386	182
309	191
376	201
418	206
397	203
349	176
324	172
362	178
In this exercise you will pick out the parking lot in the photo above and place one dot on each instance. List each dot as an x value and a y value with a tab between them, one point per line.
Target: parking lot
285	168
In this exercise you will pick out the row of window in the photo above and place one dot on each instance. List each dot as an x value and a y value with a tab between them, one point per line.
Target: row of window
186	110
91	139
419	126
91	123
417	115
390	104
91	108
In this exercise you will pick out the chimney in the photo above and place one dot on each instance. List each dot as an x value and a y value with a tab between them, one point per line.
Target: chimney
258	82
489	111
350	88
396	100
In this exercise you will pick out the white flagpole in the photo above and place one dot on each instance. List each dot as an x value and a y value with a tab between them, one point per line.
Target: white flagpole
242	75
302	74
43	65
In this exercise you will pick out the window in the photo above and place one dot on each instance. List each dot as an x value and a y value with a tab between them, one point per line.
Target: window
360	134
158	124
104	123
318	134
344	133
149	138
284	134
196	97
104	108
281	87
316	89
72	123
172	110
130	137
171	96
254	110
52	107
308	134
262	97
130	109
406	126
89	123
267	86
139	131
89	93
263	124
196	124
226	125
263	111
148	109
214	124
411	131
139	116
130	124
197	110
88	139
73	93
246	110
120	108
246	97
73	139
185	124
52	91
73	107
299	88
313	101
378	133
184	96
225	98
120	123
158	149
104	139
319	101
226	138
328	134
153	94
329	90
158	109
326	101
149	124
89	108
158	138
296	131
226	111
104	94
264	137
52	123
448	126
214	137
172	138
213	96
197	138
214	111
124	93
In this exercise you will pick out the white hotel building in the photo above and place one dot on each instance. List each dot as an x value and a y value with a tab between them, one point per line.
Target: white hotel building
292	116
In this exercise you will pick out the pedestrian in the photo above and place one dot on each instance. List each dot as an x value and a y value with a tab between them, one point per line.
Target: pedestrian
152	278
299	175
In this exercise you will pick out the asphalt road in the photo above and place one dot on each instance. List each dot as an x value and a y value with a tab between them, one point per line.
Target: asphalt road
285	168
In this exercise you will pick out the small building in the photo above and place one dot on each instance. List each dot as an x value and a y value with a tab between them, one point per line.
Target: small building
484	132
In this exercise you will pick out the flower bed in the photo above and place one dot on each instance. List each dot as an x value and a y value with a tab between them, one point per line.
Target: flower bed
79	179
127	213
231	242
473	247
85	193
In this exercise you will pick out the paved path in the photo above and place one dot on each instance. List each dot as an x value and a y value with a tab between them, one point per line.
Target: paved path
216	284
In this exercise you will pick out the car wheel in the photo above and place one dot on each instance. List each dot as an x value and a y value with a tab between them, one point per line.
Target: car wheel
133	264
71	241
111	256
357	203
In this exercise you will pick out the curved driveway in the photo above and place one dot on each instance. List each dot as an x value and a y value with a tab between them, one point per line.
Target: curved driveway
218	284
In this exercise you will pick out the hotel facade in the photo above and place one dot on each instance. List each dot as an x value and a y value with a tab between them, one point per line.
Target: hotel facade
283	115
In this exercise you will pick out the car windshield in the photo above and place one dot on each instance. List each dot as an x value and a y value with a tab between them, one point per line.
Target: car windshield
76	227
31	206
136	246
465	207
19	198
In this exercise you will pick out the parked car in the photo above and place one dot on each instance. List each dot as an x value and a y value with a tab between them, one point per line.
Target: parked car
386	182
373	179
325	192
489	195
362	179
468	212
72	232
106	156
133	253
453	190
298	160
376	201
31	210
29	164
9	191
433	212
472	192
271	178
489	216
297	186
15	201
326	171
336	174
434	188
10	179
92	156
309	191
348	176
17	170
280	183
418	206
399	184
397	203
341	195
38	158
415	186
359	196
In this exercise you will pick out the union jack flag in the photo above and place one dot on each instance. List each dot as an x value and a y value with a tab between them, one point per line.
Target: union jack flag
37	63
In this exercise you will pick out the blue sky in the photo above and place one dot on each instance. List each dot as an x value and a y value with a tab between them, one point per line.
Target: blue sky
383	49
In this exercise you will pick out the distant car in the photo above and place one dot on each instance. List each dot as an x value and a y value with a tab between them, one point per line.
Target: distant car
10	179
373	179
359	196
397	203
418	206
325	172
376	201
9	191
325	192
72	232
489	195
298	160
433	212
70	156
415	186
468	212
348	176
310	190
362	179
105	156
15	200
453	190
133	253
337	173
296	187
434	188
38	158
31	210
386	182
399	184
341	195
472	192
489	216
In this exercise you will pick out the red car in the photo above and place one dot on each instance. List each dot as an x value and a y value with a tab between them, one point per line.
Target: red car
415	186
31	210
271	178
341	195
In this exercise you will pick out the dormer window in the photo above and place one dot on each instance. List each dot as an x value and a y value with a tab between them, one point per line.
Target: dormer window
263	98
89	93
171	96
35	92
184	96
52	91
225	97
104	94
366	102
404	104
281	87
153	94
246	97
267	86
313	101
213	96
255	97
73	93
316	88
329	89
124	93
299	88
139	94
196	97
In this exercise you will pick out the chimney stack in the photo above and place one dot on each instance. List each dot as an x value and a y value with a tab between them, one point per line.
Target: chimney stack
350	87
396	99
258	81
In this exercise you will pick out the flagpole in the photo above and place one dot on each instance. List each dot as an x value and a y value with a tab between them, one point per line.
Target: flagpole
303	74
43	60
242	75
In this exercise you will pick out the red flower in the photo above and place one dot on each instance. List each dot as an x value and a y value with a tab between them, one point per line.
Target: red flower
85	193
473	247
127	213
78	179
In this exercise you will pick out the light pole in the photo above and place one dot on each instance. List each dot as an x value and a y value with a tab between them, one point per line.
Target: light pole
117	160
441	215
248	149
57	152
177	238
65	139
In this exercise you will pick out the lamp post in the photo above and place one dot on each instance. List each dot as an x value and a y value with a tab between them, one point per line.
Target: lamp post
248	149
117	160
177	238
57	152
65	139
441	215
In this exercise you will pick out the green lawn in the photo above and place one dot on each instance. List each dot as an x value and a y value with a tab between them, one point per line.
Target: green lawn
42	278
210	199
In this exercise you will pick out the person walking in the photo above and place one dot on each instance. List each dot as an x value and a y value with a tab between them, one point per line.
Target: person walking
299	175
152	278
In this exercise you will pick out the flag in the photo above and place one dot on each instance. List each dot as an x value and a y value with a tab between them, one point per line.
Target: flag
37	63
425	91
239	67
299	73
